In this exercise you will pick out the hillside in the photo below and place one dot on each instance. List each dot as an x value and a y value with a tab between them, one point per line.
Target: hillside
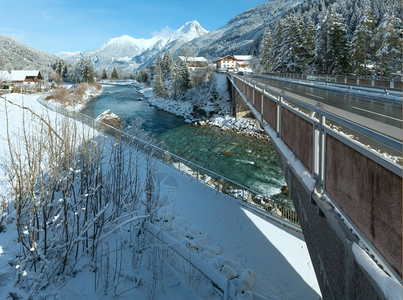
242	34
18	56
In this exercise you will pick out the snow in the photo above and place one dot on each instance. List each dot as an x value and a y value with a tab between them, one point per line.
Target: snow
391	288
248	126
220	119
221	238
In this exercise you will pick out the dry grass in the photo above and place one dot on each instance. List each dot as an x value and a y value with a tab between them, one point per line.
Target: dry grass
73	97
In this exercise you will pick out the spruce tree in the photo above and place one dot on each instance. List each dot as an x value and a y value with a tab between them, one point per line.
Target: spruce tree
166	65
388	43
362	50
265	50
278	37
338	51
104	75
114	75
331	48
185	82
159	88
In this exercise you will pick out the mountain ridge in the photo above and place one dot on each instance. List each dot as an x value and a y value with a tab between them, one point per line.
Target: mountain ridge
129	53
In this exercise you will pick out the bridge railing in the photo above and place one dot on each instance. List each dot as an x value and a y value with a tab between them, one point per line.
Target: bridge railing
363	185
375	81
269	207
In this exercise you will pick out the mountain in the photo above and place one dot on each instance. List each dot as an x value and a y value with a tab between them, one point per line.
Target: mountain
18	56
129	53
242	34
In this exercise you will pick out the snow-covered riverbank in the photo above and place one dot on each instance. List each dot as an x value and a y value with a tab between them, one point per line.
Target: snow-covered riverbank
259	259
201	107
75	97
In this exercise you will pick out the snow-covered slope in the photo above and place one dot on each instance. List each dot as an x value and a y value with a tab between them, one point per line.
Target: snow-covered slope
128	53
18	56
242	34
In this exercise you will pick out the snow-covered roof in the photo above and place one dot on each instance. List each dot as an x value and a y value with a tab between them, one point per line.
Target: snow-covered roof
17	75
193	59
227	57
243	57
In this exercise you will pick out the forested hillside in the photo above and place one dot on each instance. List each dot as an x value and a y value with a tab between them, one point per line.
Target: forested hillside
336	37
17	56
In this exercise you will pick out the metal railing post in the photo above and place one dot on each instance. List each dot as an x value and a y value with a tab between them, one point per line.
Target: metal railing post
321	154
279	104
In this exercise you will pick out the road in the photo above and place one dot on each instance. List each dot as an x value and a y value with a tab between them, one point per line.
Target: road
382	111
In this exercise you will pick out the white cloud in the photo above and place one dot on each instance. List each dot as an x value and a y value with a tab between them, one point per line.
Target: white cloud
166	32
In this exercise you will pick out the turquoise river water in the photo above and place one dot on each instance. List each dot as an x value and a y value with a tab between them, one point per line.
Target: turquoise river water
253	162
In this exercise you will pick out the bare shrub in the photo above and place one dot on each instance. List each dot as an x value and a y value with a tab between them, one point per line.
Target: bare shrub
72	192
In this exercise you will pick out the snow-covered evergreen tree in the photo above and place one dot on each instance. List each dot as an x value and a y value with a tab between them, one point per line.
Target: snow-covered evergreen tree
114	75
159	87
331	49
84	71
185	82
166	65
265	50
104	74
362	49
278	37
388	45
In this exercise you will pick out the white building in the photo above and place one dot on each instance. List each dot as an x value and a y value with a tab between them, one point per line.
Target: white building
235	63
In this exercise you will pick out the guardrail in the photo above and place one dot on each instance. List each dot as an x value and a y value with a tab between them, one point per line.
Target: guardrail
380	82
364	186
280	212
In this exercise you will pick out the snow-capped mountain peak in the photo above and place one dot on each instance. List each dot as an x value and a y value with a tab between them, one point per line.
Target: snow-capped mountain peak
128	52
191	30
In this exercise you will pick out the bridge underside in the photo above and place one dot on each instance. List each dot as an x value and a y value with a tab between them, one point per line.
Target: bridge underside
338	274
329	240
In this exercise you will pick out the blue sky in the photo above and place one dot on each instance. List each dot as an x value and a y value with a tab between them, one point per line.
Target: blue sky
76	25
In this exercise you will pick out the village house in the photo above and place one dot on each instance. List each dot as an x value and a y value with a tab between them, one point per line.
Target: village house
194	62
20	76
239	63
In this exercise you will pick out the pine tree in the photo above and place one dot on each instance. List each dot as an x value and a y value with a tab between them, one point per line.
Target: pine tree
265	50
114	75
185	82
331	49
338	50
166	65
306	43
388	43
362	50
159	88
104	75
278	37
175	84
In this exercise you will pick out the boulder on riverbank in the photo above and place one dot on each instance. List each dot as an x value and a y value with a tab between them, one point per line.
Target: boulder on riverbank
109	118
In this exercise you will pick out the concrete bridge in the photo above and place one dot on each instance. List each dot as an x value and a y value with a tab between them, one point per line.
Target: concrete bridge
348	197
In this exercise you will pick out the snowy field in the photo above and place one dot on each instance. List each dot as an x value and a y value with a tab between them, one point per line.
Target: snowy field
258	259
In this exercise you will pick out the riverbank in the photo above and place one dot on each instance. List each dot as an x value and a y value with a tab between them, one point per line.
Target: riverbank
75	98
208	105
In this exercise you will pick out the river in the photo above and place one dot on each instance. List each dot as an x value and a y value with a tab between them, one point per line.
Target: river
245	159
